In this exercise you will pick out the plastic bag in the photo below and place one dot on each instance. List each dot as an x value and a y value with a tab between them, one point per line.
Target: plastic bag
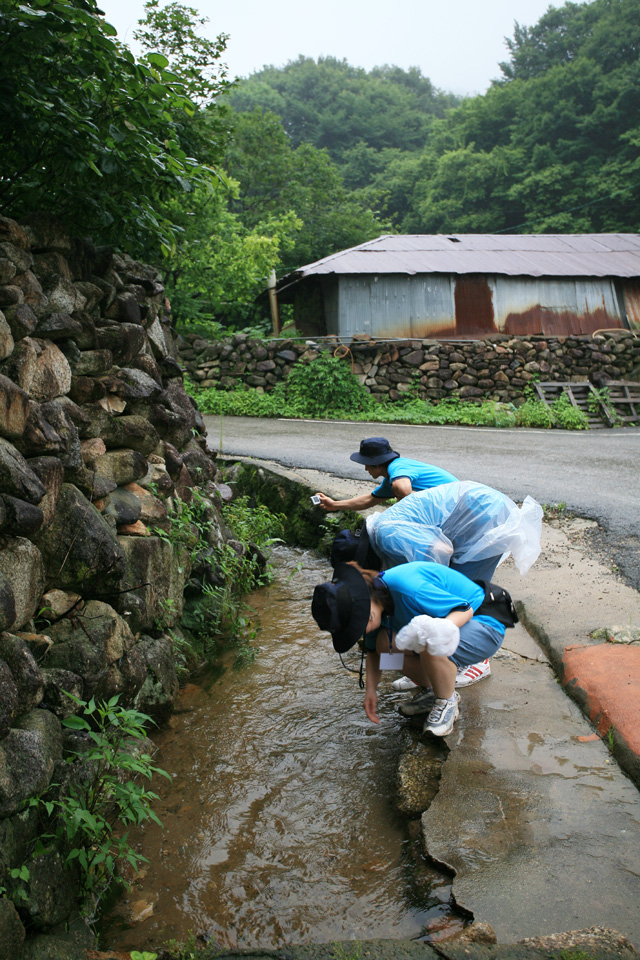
457	523
439	636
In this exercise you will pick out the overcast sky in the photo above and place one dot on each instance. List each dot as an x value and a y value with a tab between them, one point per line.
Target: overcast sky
456	43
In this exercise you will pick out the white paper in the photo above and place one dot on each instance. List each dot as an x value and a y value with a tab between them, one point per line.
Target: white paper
391	661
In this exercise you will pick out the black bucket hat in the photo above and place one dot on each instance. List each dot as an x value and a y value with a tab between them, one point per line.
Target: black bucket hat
342	606
350	545
373	451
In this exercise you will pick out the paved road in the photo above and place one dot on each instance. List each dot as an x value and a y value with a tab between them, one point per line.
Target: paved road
596	473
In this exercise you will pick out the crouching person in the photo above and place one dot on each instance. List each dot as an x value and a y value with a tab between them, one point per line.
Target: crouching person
439	619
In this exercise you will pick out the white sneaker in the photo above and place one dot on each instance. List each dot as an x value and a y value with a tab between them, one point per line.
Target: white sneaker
404	684
474	672
442	717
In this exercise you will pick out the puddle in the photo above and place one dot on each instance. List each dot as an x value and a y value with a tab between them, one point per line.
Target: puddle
280	824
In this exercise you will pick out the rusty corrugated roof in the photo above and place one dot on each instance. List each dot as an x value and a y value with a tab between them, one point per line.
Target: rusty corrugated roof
533	255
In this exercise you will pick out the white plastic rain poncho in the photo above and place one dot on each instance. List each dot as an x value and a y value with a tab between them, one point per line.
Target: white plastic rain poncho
457	523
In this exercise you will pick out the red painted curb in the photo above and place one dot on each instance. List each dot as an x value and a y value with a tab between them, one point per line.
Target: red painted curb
609	676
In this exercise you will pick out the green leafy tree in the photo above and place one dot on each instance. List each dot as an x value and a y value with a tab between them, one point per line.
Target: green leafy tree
331	104
278	180
90	133
219	266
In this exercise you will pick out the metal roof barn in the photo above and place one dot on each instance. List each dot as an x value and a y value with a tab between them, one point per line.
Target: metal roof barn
470	285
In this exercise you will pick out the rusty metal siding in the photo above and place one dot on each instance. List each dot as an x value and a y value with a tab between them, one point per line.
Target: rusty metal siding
434	305
631	296
554	307
396	306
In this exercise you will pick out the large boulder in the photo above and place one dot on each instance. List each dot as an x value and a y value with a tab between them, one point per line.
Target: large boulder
20	519
124	340
25	768
62	296
24	669
12	932
160	688
22	566
122	431
9	701
122	505
50	472
14	409
40	438
59	682
79	548
97	645
152	586
6	337
59	413
49	892
128	383
7	604
21	319
121	466
59	326
40	368
16	477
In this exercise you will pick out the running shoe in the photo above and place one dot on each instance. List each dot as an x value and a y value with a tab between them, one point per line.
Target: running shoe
442	717
404	684
471	674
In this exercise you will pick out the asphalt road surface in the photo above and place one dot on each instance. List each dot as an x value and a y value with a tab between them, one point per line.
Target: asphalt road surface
595	473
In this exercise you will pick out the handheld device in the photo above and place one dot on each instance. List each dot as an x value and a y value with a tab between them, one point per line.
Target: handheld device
315	499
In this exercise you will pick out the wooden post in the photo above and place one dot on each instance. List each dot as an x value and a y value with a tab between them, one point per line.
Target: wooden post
273	300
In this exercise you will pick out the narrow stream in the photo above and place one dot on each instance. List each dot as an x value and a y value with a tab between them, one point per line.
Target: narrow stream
280	823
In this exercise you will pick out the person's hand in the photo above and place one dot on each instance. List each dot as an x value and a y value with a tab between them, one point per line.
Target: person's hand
326	503
370	703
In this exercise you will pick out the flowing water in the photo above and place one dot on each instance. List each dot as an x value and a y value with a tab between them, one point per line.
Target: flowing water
280	823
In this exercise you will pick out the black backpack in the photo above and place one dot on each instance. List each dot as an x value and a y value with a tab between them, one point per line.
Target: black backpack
497	603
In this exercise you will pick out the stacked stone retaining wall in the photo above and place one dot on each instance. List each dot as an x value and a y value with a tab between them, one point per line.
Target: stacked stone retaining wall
97	435
497	368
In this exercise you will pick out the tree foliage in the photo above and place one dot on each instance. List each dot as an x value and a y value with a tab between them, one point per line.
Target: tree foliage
90	133
331	104
277	178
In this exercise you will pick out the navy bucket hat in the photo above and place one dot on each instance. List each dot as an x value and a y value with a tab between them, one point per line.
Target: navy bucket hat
355	546
342	606
373	451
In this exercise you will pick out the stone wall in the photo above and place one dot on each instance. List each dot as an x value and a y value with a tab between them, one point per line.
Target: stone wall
97	435
497	368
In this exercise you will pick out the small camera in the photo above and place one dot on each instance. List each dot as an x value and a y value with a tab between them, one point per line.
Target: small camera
315	499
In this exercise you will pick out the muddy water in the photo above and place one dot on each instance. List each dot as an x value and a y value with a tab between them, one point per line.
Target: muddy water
280	823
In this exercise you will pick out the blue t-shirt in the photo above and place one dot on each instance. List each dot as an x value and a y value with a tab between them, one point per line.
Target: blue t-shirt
422	476
424	587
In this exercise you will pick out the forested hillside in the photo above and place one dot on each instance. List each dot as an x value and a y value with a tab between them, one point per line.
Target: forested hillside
551	147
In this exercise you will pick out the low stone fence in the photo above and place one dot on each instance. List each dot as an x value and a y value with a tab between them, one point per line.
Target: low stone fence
497	368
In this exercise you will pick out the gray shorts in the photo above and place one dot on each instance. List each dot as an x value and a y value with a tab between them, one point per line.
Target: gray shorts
478	641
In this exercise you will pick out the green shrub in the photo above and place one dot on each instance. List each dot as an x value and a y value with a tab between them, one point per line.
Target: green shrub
106	795
568	416
326	384
534	413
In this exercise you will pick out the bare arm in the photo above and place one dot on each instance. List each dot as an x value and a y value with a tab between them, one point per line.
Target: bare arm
362	502
401	487
460	617
372	679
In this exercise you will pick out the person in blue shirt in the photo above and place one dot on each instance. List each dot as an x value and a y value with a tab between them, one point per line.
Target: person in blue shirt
399	476
437	617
